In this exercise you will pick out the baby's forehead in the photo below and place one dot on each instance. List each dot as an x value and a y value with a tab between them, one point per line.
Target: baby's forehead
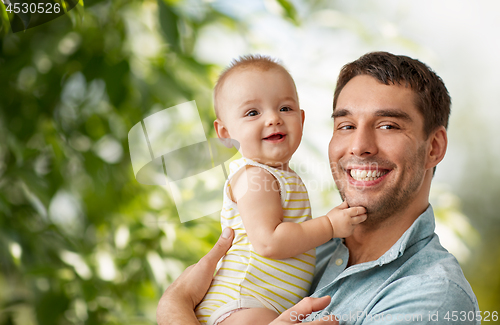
231	79
237	78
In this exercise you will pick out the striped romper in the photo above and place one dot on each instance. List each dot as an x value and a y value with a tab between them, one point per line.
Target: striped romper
245	279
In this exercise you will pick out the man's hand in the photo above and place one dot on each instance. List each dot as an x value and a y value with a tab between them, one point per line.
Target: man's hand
300	311
177	304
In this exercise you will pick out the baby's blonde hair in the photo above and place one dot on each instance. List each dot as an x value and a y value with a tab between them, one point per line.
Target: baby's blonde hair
256	61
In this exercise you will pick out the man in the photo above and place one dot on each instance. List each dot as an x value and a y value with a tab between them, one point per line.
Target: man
390	118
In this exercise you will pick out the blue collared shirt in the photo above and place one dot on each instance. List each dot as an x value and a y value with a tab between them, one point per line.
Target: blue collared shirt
415	282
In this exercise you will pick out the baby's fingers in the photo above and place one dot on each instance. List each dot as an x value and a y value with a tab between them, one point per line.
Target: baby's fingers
342	206
356	211
358	219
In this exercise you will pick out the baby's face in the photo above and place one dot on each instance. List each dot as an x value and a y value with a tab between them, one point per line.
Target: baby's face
260	110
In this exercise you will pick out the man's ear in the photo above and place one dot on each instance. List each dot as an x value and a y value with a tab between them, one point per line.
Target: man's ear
222	133
303	117
437	147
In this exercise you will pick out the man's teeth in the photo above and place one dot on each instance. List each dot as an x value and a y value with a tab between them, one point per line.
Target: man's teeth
366	175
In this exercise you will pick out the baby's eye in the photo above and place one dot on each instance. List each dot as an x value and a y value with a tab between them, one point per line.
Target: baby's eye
252	113
285	109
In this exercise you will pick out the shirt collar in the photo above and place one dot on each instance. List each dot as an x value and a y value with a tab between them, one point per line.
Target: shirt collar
421	228
335	251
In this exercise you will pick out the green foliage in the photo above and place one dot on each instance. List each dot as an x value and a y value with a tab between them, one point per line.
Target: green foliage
81	241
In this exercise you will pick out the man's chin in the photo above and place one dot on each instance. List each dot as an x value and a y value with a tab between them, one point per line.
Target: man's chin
372	209
356	202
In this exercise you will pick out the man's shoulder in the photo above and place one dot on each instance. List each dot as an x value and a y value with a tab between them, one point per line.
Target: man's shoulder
432	270
433	260
419	279
435	298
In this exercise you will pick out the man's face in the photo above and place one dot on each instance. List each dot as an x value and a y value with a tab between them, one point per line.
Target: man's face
378	148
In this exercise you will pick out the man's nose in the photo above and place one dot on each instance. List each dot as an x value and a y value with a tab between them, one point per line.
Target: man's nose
363	142
273	118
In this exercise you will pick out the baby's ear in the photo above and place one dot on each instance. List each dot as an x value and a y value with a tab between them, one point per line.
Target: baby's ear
220	129
223	133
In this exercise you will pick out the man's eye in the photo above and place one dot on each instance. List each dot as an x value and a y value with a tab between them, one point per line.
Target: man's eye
388	127
285	109
346	127
252	113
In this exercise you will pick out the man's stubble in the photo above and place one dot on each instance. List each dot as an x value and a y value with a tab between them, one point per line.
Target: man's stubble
396	198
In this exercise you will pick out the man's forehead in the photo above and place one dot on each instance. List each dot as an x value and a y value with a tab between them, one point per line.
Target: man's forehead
365	95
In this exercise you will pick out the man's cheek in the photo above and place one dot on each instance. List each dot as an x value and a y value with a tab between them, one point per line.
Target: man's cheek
340	178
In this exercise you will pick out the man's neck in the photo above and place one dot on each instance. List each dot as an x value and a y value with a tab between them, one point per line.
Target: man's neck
369	244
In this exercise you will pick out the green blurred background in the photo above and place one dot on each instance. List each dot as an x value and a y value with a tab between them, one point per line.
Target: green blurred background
82	242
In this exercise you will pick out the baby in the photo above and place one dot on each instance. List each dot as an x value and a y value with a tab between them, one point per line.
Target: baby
270	265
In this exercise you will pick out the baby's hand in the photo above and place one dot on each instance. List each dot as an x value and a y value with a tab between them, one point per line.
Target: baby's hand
345	219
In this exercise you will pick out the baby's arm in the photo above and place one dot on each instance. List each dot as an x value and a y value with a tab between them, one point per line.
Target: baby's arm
256	193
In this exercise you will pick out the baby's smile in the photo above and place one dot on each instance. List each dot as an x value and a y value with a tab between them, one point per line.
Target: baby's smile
275	137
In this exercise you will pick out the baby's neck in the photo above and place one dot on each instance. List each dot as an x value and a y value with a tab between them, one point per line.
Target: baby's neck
277	165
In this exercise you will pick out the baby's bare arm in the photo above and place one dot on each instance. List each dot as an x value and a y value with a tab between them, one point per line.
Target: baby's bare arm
262	214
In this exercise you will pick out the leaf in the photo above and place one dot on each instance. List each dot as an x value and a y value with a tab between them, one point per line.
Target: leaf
21	20
32	18
290	11
25	18
4	19
168	23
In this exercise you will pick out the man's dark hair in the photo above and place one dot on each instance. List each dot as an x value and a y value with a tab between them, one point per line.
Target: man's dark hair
432	98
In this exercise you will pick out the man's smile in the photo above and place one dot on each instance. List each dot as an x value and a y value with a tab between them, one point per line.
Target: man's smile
366	176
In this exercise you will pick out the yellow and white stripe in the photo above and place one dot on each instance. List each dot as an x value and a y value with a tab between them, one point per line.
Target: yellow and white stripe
245	278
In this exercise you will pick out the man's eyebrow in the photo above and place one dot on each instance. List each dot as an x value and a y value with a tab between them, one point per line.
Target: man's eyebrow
340	112
396	113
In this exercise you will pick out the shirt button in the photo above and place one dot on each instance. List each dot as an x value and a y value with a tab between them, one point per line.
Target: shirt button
339	261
